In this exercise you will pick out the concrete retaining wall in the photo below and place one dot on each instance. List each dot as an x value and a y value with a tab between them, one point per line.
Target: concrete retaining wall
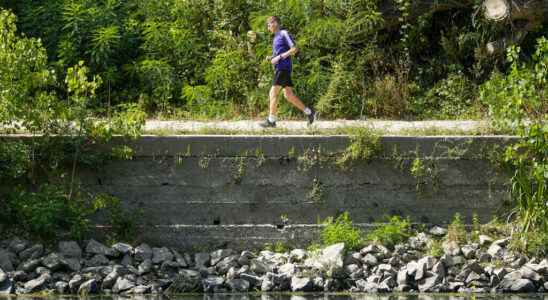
237	191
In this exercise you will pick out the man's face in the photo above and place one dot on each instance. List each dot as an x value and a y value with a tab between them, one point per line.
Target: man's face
272	25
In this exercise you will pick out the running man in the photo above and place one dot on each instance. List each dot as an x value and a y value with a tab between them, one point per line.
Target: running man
283	47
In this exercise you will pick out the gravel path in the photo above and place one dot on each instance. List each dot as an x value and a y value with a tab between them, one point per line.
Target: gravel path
387	127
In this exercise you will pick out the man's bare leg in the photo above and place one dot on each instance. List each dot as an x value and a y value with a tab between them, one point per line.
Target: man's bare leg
273	95
293	99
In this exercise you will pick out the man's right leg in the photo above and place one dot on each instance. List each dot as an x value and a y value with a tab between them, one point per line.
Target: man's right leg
273	107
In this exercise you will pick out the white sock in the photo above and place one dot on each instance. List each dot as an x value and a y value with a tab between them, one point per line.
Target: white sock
307	111
272	118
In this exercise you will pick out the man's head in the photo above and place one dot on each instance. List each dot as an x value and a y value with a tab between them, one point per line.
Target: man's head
273	23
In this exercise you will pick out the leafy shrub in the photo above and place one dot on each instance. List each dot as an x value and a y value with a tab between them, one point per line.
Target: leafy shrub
341	230
396	230
364	145
15	159
434	248
456	231
451	98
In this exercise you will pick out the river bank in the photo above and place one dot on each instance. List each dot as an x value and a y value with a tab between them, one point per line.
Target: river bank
92	267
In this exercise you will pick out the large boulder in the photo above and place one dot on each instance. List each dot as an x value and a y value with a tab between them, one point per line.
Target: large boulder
5	261
94	247
301	284
217	256
6	285
70	249
160	255
37	284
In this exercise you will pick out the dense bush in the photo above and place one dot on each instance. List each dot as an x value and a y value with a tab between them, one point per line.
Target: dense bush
200	58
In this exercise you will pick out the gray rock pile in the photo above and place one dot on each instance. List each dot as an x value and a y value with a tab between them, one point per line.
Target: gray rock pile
487	266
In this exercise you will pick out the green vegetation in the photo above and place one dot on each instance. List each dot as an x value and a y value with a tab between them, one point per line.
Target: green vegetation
341	230
396	230
205	59
434	248
48	201
519	100
456	231
364	145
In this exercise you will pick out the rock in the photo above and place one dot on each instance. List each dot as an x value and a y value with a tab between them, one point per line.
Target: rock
122	248
428	284
6	285
97	260
502	242
42	270
94	247
17	245
110	280
439	269
218	255
527	273
402	277
187	281
88	287
370	249
301	284
245	258
454	286
288	269
472	276
332	257
500	272
226	263
127	260
141	289
5	261
201	260
419	241
122	284
37	284
180	259
239	285
61	287
259	267
438	231
368	287
474	267
19	276
73	264
252	279
159	255
70	249
169	267
485	240
30	265
33	252
212	284
298	255
424	264
538	268
484	257
75	282
517	286
53	262
142	252
468	251
495	250
451	248
267	284
370	260
354	258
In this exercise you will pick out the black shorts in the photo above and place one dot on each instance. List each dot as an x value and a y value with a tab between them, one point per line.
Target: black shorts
282	78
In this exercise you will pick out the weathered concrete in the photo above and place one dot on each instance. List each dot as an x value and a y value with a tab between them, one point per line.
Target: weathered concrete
213	190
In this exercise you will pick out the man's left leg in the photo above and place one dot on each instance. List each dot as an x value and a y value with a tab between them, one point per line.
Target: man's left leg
293	99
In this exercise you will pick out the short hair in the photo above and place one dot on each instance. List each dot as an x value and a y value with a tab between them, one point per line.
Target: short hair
274	18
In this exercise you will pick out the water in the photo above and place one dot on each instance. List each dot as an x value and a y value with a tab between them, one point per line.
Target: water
294	297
